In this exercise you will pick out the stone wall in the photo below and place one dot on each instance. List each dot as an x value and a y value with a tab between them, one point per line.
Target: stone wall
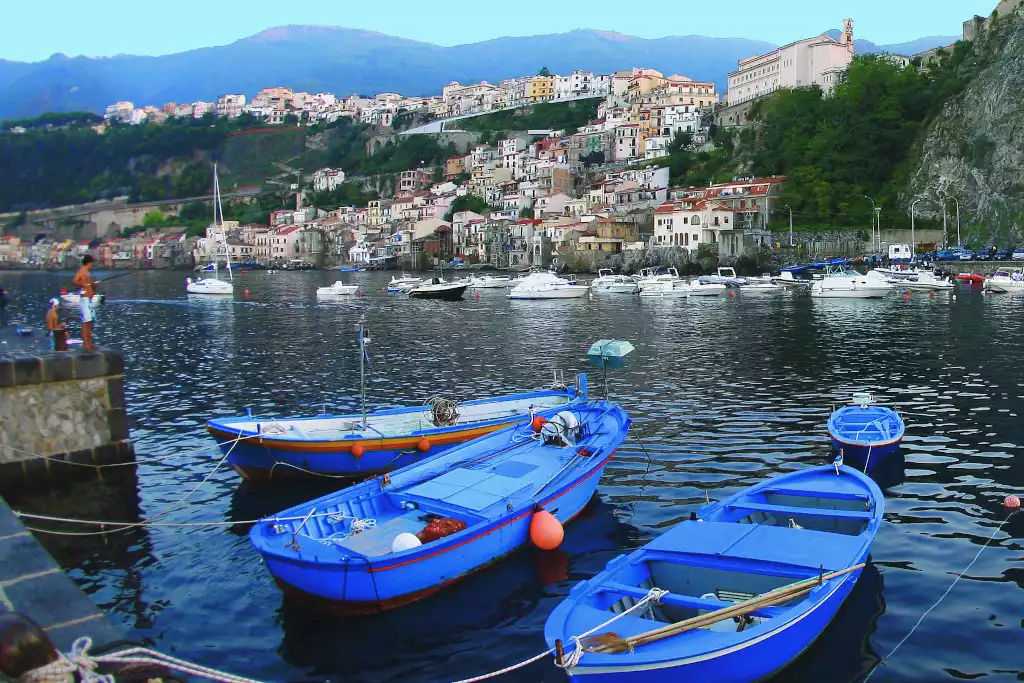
59	408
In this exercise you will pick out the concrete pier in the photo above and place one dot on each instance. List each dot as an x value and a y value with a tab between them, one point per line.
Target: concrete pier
58	407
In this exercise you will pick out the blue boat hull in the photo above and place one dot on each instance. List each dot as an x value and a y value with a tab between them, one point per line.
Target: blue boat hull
363	588
755	661
864	458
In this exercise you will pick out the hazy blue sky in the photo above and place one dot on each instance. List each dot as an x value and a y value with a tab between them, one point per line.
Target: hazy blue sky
35	31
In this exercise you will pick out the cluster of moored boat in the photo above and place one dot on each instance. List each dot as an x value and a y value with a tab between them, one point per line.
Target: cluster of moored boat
734	593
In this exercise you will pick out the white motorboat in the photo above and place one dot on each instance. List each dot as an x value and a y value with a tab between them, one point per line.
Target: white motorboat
665	289
603	275
1006	281
788	279
75	298
212	284
928	281
336	290
489	282
843	283
617	284
698	288
724	276
437	288
547	286
404	284
655	277
896	274
759	285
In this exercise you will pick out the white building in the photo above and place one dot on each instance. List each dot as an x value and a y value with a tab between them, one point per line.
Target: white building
326	179
627	142
815	61
230	106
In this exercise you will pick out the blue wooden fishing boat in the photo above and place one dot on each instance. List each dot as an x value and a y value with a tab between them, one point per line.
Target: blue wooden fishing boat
866	434
750	582
360	446
363	549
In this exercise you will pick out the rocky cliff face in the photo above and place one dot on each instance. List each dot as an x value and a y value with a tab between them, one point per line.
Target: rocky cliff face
974	149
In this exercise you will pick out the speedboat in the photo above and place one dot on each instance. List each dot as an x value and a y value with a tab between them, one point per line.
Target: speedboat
732	595
865	434
439	289
843	283
615	284
1006	281
402	285
339	288
724	276
657	277
759	285
698	288
926	281
489	282
603	275
547	285
655	288
208	285
402	537
260	448
794	277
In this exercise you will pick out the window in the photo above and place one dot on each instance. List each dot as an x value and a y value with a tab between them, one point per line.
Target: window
695	221
695	237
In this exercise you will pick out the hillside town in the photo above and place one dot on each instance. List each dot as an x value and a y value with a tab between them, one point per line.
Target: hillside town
543	200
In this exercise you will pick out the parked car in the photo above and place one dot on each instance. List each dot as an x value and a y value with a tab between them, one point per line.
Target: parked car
1003	255
966	255
948	255
1018	254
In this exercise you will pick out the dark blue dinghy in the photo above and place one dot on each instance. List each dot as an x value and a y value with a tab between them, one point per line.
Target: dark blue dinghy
396	539
865	434
732	595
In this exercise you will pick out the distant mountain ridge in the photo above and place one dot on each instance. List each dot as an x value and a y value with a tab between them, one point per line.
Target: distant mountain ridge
345	61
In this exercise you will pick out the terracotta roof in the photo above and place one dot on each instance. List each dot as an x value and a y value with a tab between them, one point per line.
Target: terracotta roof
289	230
667	207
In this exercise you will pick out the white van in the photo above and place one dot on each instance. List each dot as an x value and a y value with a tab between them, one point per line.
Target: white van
900	252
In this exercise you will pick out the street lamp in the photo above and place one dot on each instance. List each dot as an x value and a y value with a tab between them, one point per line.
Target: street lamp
874	210
791	243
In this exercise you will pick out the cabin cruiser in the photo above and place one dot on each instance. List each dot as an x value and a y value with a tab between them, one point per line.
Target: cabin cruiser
928	281
667	289
339	288
656	277
794	277
439	289
759	285
843	283
1005	281
616	284
603	275
402	285
547	286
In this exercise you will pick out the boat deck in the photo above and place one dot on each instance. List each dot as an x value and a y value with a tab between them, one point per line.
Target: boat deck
865	425
395	424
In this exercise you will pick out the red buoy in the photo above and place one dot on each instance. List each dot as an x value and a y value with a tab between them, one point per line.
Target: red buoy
546	532
63	291
906	297
538	423
931	293
247	292
478	296
358	450
423	445
1012	502
732	293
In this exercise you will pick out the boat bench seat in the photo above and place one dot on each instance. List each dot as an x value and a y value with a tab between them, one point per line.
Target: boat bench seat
689	601
377	541
806	493
783	510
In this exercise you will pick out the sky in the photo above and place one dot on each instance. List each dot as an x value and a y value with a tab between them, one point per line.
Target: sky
72	27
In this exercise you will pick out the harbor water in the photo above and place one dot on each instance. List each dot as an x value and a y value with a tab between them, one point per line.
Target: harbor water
723	392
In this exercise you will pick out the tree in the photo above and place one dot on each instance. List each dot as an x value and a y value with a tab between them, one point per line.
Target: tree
193	181
290	120
153	219
680	141
526	212
467	202
544	72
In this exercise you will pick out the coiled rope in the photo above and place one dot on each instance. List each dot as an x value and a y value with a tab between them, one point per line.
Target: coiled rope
79	661
572	658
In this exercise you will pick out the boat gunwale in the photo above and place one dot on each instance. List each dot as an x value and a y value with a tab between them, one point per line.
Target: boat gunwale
834	428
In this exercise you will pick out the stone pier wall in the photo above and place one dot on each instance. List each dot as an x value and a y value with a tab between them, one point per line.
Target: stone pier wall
57	408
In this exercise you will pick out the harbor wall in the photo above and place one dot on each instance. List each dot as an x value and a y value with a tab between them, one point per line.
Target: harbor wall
59	409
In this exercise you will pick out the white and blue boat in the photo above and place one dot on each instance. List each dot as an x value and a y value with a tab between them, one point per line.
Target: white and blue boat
359	446
731	595
363	550
866	434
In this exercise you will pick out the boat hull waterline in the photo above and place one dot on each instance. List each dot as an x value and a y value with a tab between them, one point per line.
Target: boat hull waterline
512	475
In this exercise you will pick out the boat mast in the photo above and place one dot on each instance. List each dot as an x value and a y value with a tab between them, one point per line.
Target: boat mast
361	332
219	209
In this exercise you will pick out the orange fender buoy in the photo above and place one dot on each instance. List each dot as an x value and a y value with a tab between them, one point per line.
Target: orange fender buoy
906	297
732	293
63	291
932	293
358	450
423	445
538	423
1012	502
546	532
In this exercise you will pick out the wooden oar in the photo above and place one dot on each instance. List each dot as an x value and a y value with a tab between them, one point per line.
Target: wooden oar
611	643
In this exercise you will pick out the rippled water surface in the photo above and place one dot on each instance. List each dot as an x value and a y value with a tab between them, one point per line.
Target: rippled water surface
723	393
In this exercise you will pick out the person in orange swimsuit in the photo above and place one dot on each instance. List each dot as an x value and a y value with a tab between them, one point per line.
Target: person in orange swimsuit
84	280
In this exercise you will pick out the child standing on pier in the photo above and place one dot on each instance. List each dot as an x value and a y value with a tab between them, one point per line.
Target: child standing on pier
83	278
57	330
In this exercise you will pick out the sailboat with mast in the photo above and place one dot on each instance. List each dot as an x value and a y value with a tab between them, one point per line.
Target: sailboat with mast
213	284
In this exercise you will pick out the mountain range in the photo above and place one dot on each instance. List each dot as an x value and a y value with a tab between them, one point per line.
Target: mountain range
345	61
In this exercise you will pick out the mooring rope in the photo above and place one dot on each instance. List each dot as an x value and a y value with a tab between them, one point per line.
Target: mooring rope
79	661
572	658
941	598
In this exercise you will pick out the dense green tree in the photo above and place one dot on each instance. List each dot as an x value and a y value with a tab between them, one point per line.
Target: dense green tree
193	181
467	202
345	194
544	72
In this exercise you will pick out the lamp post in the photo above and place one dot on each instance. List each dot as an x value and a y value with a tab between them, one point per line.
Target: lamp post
791	243
874	210
913	239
